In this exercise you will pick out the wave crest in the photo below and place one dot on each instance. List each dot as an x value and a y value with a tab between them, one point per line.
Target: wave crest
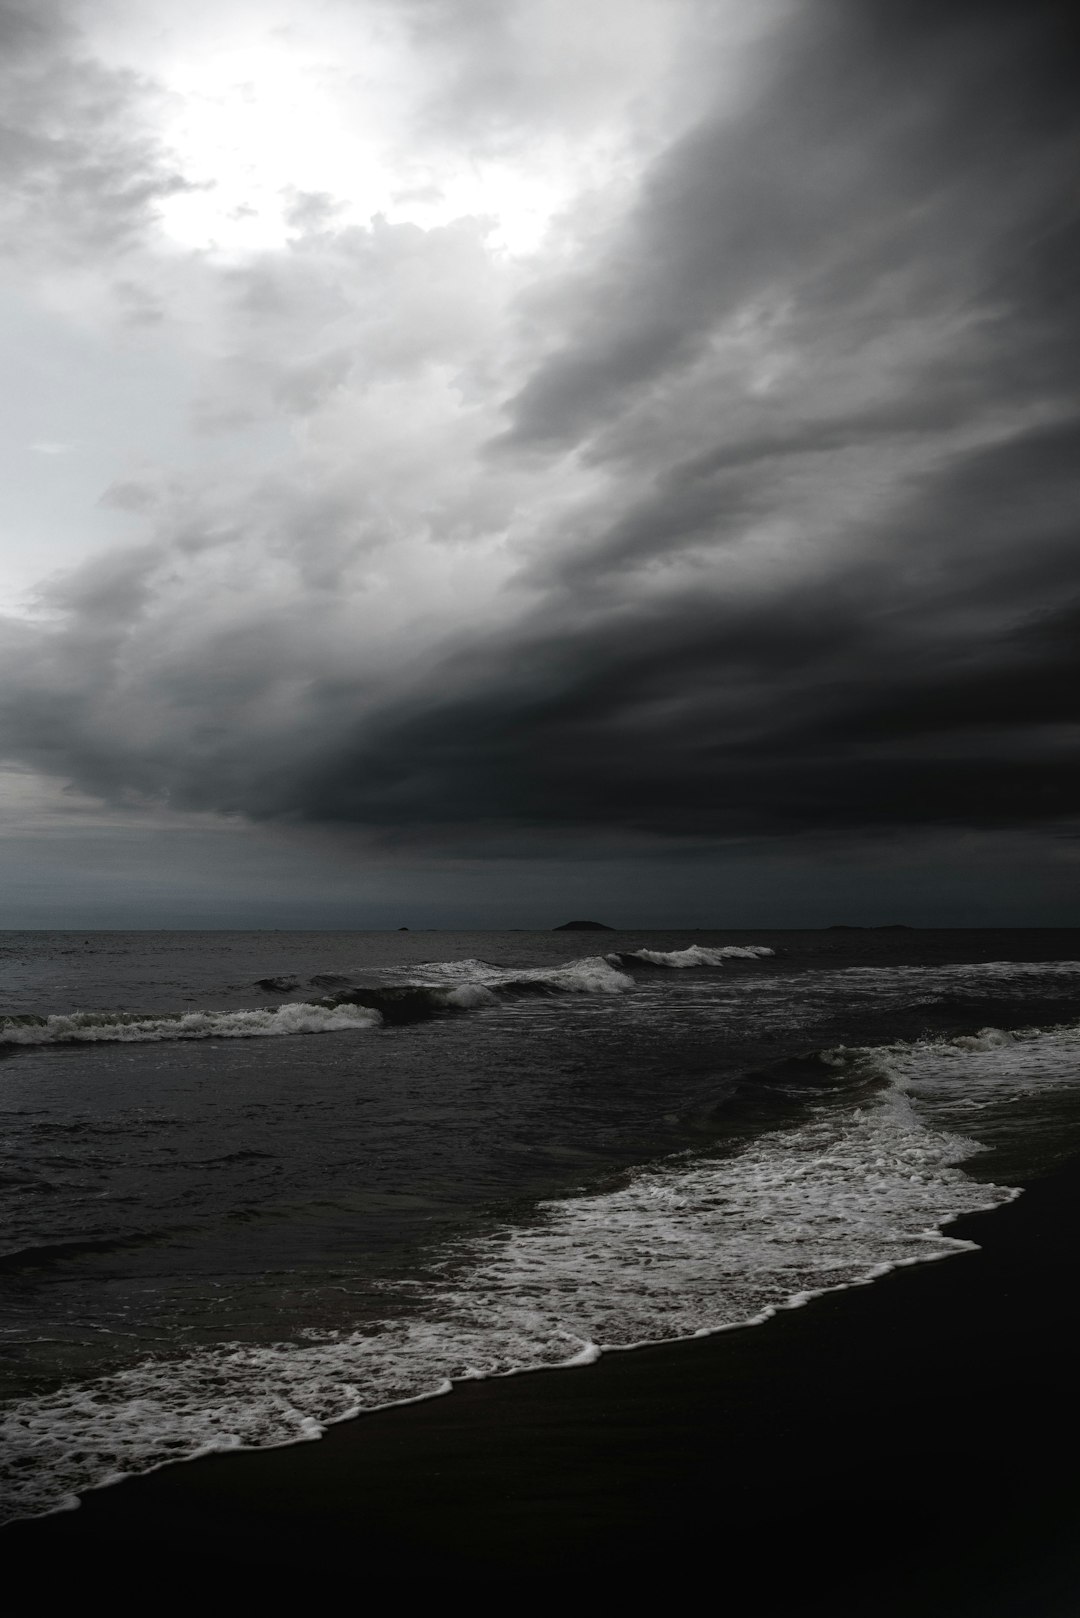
119	1027
699	955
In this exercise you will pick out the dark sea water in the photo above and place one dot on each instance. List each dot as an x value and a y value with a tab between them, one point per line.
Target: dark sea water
254	1183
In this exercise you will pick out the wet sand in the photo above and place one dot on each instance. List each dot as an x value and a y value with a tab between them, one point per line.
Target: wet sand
909	1447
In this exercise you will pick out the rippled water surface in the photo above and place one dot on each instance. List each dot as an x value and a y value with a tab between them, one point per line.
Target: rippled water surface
252	1183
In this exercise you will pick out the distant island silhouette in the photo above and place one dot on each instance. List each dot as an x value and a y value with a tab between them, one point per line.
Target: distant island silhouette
583	927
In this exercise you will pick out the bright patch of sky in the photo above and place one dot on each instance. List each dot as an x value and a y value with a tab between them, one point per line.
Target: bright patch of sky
265	105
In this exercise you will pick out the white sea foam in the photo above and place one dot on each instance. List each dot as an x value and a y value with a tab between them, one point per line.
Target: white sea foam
469	995
701	955
992	1067
469	984
691	1246
464	985
94	1027
592	974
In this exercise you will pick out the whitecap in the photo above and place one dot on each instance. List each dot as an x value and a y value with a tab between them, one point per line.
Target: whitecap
701	955
95	1027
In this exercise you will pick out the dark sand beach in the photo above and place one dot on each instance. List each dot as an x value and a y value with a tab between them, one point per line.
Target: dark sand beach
904	1447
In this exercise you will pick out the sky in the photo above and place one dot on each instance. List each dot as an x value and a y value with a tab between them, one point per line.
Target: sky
485	462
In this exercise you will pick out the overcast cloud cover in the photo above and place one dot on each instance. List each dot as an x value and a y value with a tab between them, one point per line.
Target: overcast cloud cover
466	459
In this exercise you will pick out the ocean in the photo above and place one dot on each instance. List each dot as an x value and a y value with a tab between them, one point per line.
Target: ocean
254	1184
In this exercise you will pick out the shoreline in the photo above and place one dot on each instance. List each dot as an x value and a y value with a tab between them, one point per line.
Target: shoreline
910	1431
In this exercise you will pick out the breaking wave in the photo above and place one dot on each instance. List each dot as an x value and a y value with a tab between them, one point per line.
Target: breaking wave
992	1067
593	974
92	1027
444	986
698	955
439	986
436	987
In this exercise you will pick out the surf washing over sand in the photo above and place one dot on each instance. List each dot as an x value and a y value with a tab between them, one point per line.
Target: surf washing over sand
810	1170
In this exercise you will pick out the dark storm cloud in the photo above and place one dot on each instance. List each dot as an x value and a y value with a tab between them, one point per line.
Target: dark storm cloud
927	157
823	375
929	694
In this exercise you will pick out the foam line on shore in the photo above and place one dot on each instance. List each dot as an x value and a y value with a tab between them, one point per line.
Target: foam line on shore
688	1247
